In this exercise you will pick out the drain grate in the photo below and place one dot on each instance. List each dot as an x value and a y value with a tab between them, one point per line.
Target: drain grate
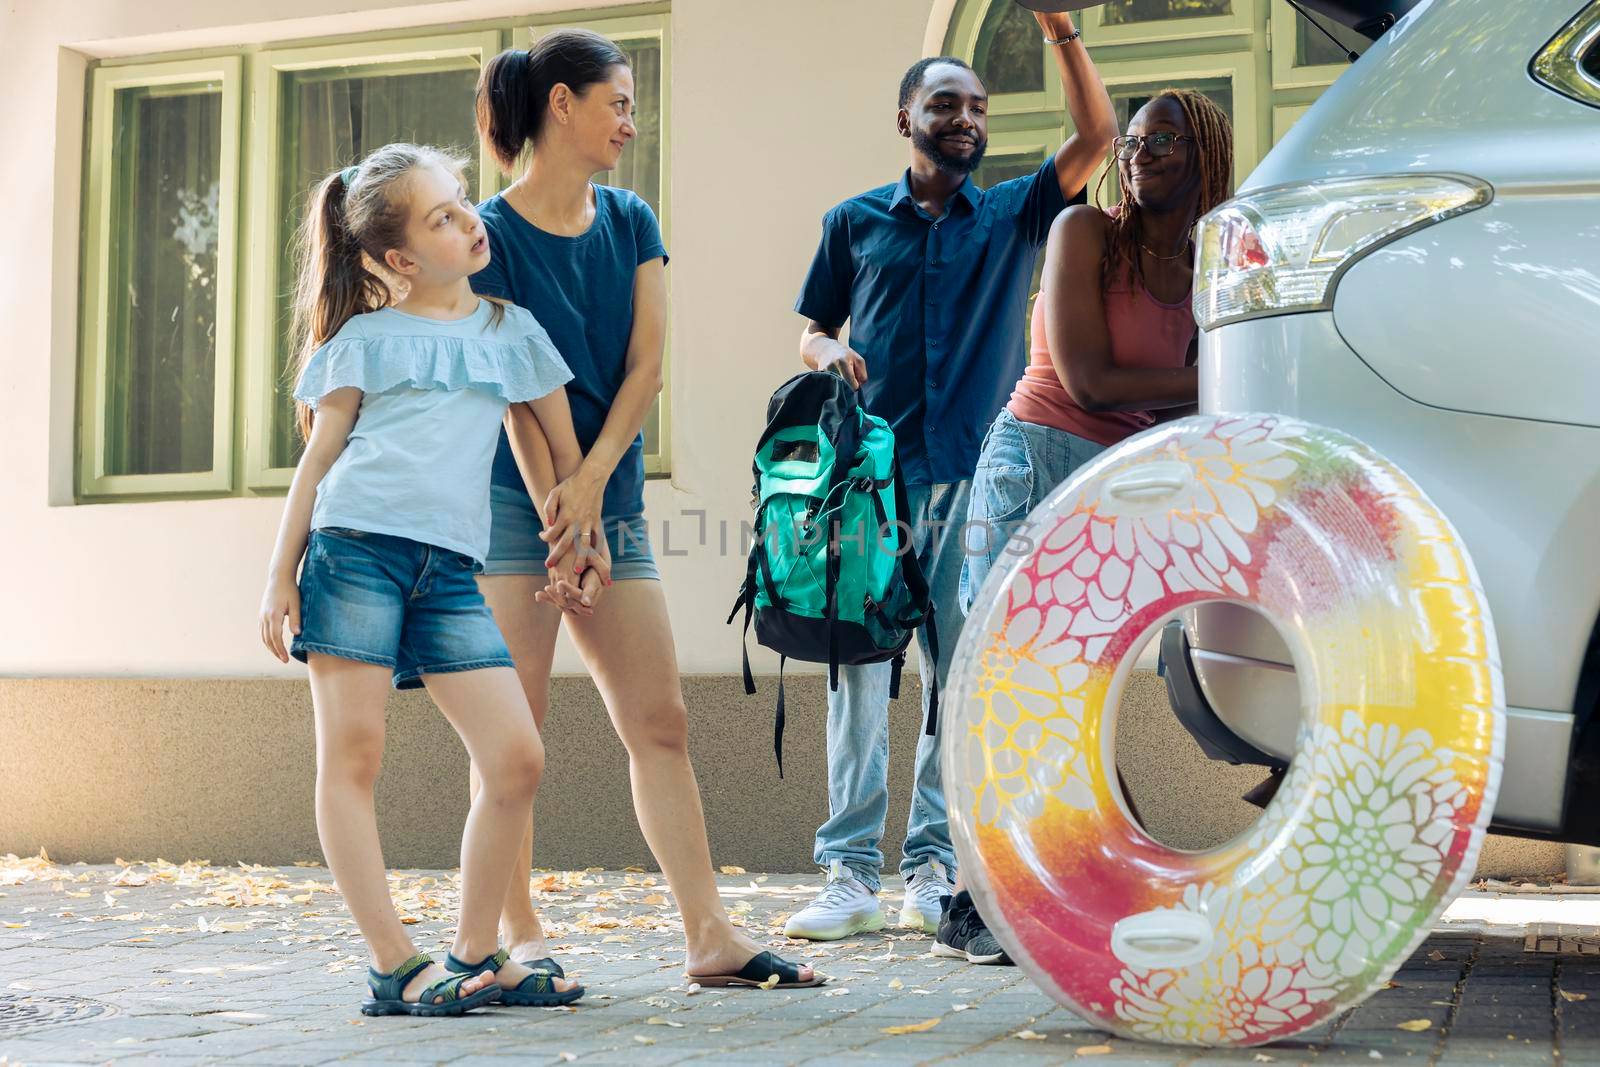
1560	939
20	1014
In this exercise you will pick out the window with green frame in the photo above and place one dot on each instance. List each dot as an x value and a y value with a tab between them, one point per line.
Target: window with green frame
158	332
185	360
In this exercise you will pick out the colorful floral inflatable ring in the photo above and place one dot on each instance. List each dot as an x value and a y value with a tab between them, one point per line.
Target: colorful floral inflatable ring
1378	821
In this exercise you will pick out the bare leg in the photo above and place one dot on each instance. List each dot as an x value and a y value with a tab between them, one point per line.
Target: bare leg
530	630
627	646
488	710
349	699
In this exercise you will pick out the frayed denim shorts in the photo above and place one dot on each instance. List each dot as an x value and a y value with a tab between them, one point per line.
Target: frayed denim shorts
401	604
516	548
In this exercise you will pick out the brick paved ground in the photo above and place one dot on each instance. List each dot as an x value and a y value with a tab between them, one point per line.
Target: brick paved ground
194	964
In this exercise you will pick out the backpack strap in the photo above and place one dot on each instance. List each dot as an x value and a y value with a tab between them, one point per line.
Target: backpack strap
777	724
747	600
744	645
933	650
917	585
897	665
845	445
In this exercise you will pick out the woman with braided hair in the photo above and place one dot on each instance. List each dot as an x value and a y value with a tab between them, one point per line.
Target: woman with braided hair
1114	340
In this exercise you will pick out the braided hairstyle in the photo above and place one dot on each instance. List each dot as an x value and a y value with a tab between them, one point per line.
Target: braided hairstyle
1213	145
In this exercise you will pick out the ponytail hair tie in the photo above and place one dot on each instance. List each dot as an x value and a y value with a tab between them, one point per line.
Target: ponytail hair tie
348	176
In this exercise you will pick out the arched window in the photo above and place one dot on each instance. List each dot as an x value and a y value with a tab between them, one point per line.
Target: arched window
1261	63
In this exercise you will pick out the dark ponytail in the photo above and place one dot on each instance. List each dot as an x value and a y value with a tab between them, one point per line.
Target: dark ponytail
514	88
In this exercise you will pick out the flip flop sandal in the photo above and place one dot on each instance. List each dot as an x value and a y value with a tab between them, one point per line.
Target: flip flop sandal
538	990
443	997
760	970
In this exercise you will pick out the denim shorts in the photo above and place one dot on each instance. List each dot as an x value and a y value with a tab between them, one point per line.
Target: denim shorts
515	547
401	604
1019	465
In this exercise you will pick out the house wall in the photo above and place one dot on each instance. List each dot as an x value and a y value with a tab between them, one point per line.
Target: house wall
139	713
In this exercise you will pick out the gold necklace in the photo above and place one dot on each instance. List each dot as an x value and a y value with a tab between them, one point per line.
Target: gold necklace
1181	254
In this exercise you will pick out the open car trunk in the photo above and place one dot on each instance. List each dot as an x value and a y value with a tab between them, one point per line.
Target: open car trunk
1370	18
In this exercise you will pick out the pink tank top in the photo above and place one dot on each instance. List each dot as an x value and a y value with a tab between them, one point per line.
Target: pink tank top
1144	333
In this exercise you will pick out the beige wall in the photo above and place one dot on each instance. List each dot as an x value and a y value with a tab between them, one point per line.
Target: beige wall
223	770
775	117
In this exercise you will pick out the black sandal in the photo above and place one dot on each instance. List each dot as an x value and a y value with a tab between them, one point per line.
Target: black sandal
538	990
761	969
442	997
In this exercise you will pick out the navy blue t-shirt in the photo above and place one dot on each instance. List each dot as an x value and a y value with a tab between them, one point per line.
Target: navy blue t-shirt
581	291
936	307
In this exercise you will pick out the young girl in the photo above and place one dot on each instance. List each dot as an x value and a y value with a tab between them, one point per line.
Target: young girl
408	396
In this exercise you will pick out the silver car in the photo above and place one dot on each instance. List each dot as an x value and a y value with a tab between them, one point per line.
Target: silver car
1422	270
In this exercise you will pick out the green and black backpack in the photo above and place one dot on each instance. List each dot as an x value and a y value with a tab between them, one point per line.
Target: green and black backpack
832	577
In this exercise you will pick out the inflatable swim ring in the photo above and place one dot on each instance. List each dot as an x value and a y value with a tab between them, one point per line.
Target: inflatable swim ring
1377	823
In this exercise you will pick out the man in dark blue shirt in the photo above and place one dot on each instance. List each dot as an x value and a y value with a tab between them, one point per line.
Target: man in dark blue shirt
932	275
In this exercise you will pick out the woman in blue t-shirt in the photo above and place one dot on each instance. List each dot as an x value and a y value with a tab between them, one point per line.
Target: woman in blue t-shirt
588	261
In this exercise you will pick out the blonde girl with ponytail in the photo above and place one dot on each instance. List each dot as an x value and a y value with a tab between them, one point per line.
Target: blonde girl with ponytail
403	379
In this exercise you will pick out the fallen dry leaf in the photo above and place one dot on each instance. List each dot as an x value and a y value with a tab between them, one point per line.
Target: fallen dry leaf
896	984
1029	1035
1436	955
1262	1057
644	1040
771	982
1093	1050
911	1028
1570	997
960	1007
730	869
656	1020
1415	1026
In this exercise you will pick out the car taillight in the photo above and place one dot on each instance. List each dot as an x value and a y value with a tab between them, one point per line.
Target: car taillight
1282	249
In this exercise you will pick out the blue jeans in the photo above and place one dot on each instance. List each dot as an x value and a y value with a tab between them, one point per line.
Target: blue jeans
858	716
1020	464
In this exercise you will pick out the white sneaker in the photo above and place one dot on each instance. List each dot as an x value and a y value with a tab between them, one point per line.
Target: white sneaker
844	907
925	889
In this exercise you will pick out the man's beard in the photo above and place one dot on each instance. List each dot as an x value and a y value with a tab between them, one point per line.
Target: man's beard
929	146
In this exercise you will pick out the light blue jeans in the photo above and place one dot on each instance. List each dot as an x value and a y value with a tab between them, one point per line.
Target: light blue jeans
1020	464
858	716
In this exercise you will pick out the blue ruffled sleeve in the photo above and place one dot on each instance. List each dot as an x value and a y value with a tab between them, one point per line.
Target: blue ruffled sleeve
515	362
338	363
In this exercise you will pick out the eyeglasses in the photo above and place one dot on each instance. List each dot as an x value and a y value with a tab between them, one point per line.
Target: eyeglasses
1158	144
